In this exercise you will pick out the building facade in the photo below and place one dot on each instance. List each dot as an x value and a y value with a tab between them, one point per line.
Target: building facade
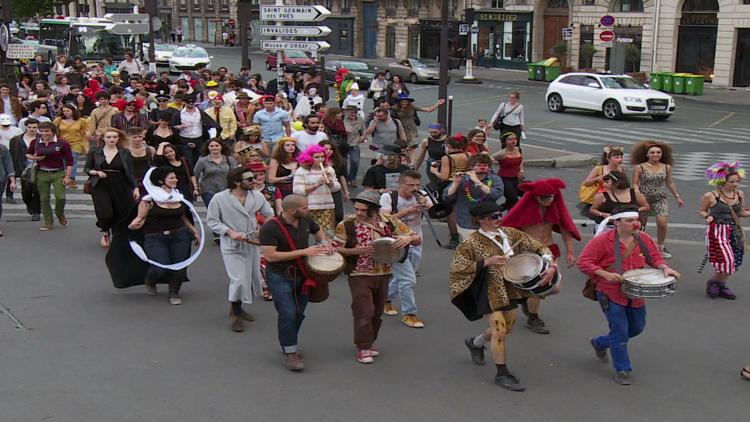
709	37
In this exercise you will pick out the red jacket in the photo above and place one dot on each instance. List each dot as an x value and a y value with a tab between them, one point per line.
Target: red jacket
599	253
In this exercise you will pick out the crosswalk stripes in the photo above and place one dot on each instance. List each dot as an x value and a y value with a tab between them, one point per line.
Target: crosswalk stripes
689	165
630	136
77	203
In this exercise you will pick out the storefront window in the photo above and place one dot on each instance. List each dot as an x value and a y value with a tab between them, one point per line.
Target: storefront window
504	39
627	6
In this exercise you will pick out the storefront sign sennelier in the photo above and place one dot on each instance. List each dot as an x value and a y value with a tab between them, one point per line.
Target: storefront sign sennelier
699	19
503	17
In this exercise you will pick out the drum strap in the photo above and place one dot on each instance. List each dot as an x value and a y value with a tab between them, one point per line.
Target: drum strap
309	283
618	255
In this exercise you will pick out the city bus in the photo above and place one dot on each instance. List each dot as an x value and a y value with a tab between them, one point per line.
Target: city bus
89	38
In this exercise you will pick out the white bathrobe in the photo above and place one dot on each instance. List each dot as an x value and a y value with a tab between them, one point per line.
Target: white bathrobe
241	259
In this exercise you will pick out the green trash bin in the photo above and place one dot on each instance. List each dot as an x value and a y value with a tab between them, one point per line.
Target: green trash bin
678	82
532	71
694	84
551	72
656	80
666	82
539	76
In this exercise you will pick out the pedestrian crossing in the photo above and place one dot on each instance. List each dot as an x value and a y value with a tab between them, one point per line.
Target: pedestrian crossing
694	149
588	136
77	204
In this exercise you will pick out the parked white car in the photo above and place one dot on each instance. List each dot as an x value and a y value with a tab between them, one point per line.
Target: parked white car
163	52
611	94
189	57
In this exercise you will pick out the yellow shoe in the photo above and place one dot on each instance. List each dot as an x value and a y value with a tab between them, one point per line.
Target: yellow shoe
412	321
388	309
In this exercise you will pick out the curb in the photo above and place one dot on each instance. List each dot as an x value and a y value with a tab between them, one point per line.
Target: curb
565	161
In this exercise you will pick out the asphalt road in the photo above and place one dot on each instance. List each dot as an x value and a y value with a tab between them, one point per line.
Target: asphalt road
86	352
72	348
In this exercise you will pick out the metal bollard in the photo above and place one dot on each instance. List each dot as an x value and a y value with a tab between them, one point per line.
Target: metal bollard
450	115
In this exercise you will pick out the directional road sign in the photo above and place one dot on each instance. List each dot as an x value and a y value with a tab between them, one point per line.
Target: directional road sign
20	51
293	13
127	17
295	31
294	45
127	28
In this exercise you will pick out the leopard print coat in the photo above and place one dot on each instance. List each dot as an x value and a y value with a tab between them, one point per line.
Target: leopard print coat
477	247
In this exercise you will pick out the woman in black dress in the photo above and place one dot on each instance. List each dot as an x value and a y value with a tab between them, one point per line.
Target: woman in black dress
167	156
143	155
113	188
161	132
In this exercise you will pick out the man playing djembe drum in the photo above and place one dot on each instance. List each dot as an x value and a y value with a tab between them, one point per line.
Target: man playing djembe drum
599	260
368	277
479	290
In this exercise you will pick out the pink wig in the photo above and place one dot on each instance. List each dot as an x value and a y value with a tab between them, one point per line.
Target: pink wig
306	157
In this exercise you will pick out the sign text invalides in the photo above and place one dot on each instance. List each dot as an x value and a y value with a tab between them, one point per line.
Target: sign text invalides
293	13
298	31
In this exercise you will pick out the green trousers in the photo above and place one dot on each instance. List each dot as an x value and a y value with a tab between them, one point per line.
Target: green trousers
54	180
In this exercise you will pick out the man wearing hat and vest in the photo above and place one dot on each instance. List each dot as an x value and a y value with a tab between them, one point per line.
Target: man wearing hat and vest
162	102
369	278
604	259
479	289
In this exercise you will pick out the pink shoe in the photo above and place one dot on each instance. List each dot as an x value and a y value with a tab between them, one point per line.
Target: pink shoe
374	352
364	356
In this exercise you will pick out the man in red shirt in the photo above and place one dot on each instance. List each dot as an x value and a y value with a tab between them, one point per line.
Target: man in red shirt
626	317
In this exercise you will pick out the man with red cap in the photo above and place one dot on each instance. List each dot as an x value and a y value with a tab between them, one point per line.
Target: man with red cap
540	212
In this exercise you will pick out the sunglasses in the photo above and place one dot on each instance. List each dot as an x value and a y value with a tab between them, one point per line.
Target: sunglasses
546	197
250	179
496	215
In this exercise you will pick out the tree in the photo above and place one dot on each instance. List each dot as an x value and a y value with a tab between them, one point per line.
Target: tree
587	53
29	8
632	55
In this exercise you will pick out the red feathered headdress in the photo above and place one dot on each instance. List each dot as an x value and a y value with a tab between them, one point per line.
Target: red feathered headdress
120	104
526	211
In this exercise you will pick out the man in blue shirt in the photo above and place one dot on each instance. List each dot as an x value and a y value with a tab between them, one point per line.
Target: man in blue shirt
472	188
273	121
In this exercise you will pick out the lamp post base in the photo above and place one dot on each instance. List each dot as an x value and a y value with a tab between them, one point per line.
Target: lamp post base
469	78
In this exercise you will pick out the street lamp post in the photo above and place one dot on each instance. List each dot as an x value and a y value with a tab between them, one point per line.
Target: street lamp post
443	88
243	19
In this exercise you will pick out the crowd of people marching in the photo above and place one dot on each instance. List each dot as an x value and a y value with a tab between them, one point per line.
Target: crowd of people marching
276	165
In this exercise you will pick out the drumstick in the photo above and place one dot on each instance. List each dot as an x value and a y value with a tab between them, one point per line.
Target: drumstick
325	176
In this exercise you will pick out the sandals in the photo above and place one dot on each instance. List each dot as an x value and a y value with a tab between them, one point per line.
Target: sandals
104	241
267	296
745	373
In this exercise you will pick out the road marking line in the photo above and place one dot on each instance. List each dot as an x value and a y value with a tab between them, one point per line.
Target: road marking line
479	101
546	123
722	119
